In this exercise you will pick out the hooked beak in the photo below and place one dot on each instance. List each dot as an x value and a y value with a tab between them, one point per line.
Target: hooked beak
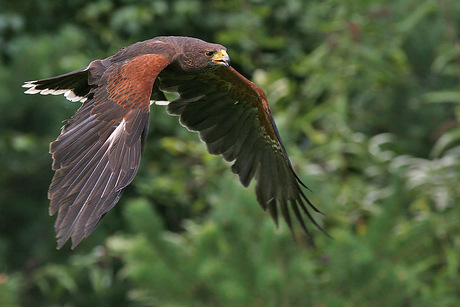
221	58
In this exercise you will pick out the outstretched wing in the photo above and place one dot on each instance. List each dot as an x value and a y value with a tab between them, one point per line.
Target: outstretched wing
98	151
233	118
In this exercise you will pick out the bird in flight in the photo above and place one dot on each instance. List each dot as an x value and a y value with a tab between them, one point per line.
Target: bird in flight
97	154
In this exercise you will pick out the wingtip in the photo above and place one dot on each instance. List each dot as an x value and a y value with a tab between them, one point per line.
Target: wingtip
60	244
61	241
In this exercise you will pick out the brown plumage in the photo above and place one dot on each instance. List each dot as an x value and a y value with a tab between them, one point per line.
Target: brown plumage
97	154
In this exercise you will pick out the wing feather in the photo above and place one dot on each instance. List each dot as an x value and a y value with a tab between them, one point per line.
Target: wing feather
232	117
97	154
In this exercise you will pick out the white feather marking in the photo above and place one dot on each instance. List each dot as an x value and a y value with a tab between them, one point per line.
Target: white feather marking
159	102
116	133
69	94
28	84
75	99
32	90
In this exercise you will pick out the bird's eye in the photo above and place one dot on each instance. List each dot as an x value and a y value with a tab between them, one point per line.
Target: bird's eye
209	54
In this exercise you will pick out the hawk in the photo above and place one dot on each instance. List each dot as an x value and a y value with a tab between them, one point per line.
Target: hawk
97	154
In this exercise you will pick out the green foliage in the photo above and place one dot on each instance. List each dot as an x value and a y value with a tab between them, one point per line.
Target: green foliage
366	97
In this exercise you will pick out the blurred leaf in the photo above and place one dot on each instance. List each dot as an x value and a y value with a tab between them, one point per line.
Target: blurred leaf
446	141
442	97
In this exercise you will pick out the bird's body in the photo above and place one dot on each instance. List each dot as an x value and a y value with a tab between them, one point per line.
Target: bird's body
98	151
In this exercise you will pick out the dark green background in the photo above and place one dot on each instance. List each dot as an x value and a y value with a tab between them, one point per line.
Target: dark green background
366	97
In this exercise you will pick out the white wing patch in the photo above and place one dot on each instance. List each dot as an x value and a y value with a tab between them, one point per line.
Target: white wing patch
159	102
116	134
69	94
